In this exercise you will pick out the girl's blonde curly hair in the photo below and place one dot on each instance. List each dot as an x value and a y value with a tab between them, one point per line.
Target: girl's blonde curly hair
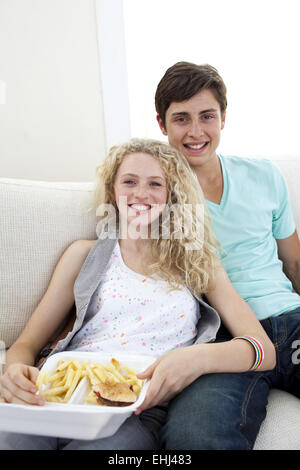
182	258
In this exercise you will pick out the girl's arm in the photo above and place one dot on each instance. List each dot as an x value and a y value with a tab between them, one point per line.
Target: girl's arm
177	369
239	319
17	385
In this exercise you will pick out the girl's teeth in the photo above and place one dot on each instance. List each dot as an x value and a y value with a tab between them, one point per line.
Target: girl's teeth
140	208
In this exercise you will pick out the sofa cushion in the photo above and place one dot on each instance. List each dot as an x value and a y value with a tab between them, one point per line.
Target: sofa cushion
281	428
39	220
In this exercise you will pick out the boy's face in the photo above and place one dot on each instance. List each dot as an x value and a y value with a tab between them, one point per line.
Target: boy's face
194	127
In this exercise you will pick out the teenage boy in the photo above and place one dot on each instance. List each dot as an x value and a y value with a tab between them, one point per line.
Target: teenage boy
249	205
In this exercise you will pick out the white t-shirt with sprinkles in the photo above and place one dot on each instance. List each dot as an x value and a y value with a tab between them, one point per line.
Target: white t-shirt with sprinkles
137	314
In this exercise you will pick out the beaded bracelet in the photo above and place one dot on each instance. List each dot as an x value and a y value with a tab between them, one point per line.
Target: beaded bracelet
258	350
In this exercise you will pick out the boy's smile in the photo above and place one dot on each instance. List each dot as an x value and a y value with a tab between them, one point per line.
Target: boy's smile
194	127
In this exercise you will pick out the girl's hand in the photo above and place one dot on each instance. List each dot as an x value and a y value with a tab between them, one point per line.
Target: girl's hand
17	385
169	375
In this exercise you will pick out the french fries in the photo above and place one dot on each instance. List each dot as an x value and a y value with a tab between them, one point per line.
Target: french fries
59	386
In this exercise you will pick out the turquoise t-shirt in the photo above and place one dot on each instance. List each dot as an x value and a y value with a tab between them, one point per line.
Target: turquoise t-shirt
253	212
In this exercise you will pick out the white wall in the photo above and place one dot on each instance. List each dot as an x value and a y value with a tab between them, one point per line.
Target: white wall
253	43
52	124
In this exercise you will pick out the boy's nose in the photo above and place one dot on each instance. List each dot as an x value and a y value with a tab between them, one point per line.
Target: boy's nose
195	129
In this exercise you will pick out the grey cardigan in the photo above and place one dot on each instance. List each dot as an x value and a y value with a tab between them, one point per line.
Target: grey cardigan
87	285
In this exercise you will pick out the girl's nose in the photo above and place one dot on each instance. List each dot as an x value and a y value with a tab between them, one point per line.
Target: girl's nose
141	191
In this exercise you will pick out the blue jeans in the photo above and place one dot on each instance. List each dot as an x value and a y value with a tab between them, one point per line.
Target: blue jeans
225	411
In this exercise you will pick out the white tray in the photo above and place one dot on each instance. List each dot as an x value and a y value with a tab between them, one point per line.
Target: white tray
74	420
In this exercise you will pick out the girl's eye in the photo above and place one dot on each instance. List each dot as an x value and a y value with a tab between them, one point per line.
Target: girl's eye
155	183
129	182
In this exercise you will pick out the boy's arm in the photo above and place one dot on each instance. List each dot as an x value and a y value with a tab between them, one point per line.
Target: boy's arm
289	254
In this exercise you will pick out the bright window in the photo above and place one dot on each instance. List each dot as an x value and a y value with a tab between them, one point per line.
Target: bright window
253	44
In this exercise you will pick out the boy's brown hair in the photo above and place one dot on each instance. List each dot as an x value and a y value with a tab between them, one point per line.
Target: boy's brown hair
184	80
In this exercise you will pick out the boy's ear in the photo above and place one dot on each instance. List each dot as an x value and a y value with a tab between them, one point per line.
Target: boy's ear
160	123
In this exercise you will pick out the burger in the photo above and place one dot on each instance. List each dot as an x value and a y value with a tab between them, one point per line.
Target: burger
114	394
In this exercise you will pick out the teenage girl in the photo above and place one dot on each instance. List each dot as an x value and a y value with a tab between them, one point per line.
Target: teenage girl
138	288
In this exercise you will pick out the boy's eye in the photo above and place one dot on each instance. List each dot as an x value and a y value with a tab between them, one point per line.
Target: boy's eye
207	117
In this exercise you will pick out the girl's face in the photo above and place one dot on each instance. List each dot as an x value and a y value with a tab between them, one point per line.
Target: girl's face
140	189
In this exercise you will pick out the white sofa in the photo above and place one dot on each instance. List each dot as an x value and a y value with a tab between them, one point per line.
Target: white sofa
40	219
